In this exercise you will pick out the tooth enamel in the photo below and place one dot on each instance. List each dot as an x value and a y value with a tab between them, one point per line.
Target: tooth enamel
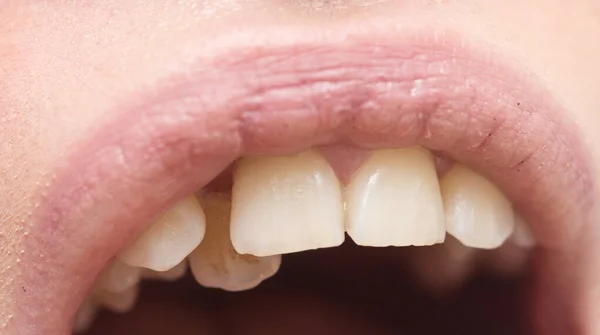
286	204
85	316
118	277
216	264
122	302
445	267
477	213
170	239
522	235
509	259
172	274
394	200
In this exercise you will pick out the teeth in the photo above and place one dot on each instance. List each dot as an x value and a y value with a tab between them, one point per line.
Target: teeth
170	239
477	213
173	274
85	316
119	277
286	204
522	235
122	302
394	200
216	264
445	267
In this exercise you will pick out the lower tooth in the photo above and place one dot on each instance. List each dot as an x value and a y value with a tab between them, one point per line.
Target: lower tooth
445	267
118	277
509	259
173	274
522	235
85	316
286	204
122	302
215	263
477	213
170	239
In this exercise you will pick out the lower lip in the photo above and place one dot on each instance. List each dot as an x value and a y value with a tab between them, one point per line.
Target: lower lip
389	93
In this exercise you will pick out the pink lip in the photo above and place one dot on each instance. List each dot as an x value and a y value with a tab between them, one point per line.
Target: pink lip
369	91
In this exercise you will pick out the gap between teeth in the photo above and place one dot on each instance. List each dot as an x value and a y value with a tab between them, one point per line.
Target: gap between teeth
288	204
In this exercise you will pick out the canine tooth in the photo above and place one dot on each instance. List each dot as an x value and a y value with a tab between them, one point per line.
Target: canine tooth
477	213
85	316
175	273
394	200
121	302
216	264
286	204
118	277
170	239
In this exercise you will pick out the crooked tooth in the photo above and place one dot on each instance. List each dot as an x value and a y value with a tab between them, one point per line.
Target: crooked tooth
286	204
85	316
121	302
172	274
394	200
170	239
477	213
216	264
118	277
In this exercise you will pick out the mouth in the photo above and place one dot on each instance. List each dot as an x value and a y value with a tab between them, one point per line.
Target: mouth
324	115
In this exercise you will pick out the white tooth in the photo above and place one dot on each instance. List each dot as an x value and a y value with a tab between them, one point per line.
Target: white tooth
170	239
445	267
286	204
172	274
216	264
122	302
522	235
85	316
477	213
394	200
118	277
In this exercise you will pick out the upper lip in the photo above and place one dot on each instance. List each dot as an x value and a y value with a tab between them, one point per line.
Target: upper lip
364	91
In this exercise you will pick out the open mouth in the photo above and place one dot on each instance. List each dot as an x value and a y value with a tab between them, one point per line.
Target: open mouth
395	139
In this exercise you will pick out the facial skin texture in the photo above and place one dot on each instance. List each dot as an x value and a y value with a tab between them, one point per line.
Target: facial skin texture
65	65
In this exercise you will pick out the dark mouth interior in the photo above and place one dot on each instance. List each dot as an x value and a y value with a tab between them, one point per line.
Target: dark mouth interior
344	290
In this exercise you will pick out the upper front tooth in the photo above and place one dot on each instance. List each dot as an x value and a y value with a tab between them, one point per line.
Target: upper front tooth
477	213
118	277
286	204
394	200
216	264
170	239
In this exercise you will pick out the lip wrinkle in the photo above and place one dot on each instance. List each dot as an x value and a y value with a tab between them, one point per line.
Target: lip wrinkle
396	92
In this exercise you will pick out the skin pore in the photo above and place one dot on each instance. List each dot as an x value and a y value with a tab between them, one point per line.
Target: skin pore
71	70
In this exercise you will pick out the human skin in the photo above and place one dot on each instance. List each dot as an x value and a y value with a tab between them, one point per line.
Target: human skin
75	75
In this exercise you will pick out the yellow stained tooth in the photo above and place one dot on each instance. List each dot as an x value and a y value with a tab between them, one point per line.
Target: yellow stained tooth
286	204
121	302
394	200
85	316
118	277
477	213
170	239
215	263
